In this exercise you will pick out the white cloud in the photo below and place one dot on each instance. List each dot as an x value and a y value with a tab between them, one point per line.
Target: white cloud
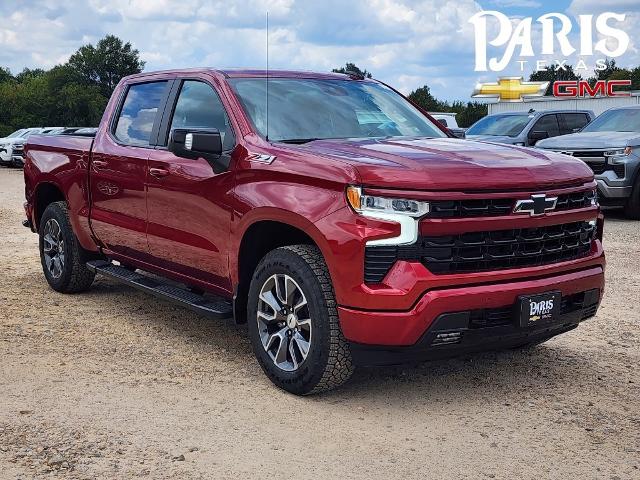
405	43
517	3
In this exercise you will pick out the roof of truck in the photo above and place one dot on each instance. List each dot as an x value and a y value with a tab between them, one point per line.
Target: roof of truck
251	72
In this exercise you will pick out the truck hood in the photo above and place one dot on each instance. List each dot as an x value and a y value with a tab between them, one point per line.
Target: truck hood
450	164
12	141
589	140
494	138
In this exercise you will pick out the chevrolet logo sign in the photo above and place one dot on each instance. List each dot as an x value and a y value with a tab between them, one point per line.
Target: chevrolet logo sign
537	205
510	89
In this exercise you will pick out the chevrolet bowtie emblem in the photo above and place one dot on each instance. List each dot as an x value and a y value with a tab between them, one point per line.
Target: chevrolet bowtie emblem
510	89
536	205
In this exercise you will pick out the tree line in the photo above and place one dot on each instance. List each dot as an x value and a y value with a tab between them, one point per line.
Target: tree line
72	94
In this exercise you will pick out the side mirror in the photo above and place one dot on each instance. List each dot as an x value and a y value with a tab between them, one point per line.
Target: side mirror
537	135
199	143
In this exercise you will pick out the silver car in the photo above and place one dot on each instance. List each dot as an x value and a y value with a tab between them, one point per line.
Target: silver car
527	128
610	145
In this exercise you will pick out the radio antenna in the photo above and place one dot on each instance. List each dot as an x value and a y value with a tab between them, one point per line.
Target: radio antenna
267	77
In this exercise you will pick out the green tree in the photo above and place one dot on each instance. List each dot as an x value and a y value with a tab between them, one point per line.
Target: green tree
352	67
550	74
469	113
635	79
29	73
610	69
424	99
106	63
5	75
622	74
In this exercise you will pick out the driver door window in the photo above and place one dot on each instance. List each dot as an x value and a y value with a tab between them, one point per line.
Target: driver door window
198	106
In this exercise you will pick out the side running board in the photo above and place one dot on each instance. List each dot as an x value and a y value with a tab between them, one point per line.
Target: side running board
217	308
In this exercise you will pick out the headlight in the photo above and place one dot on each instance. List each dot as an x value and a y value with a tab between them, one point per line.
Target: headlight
403	211
618	155
371	204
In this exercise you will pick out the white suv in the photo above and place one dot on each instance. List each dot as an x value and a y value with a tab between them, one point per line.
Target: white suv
12	145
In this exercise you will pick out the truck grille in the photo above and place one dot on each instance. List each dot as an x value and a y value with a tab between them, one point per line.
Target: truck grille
595	160
501	206
485	251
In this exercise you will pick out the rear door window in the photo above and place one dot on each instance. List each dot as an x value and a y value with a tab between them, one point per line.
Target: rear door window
139	112
573	121
547	123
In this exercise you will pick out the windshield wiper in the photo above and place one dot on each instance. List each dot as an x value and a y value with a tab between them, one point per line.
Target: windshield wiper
297	141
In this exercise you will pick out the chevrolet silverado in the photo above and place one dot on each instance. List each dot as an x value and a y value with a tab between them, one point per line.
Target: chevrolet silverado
335	218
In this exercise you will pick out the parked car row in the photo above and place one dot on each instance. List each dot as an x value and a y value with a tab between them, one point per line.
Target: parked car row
12	146
609	144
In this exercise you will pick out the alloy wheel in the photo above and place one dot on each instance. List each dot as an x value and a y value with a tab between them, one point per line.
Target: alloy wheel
53	248
284	322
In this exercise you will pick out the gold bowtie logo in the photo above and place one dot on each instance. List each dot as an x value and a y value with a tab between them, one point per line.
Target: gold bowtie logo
510	89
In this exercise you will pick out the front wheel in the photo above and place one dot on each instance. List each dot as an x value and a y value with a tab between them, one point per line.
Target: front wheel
63	259
293	322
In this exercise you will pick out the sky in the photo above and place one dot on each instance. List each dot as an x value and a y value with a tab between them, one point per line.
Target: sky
406	43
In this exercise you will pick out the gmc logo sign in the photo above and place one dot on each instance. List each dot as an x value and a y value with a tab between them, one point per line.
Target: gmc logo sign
581	88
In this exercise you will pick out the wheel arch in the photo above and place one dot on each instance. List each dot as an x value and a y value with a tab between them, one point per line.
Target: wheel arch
261	236
44	195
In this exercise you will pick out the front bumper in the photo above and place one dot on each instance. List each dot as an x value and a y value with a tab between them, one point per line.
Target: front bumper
616	189
408	328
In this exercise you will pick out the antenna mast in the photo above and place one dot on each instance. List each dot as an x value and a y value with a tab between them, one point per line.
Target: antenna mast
267	77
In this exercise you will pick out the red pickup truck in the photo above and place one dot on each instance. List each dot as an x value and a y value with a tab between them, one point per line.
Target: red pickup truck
339	221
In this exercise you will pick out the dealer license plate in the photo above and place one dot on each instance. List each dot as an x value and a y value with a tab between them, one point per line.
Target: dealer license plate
538	309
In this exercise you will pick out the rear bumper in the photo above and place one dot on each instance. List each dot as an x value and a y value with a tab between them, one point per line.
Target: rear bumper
415	326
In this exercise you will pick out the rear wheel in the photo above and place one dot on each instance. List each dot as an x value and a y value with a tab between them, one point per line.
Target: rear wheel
632	208
293	322
63	259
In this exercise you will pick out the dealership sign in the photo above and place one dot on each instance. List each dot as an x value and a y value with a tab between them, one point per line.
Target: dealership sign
554	31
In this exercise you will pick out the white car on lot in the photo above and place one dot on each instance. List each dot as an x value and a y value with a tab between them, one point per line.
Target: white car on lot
11	146
448	119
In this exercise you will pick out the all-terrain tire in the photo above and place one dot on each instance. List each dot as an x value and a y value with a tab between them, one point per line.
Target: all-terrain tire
632	207
73	276
328	363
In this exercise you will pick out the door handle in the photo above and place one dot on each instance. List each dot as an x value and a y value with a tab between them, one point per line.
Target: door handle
98	164
158	172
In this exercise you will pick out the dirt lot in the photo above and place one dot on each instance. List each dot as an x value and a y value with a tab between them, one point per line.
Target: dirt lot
114	384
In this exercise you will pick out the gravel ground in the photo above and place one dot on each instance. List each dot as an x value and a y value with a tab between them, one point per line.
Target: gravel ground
115	384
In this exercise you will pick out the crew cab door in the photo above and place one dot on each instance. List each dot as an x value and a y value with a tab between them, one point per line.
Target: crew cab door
118	169
545	127
188	203
572	122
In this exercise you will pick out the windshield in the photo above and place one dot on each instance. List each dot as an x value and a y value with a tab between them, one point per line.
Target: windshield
29	132
620	120
306	109
17	133
509	125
